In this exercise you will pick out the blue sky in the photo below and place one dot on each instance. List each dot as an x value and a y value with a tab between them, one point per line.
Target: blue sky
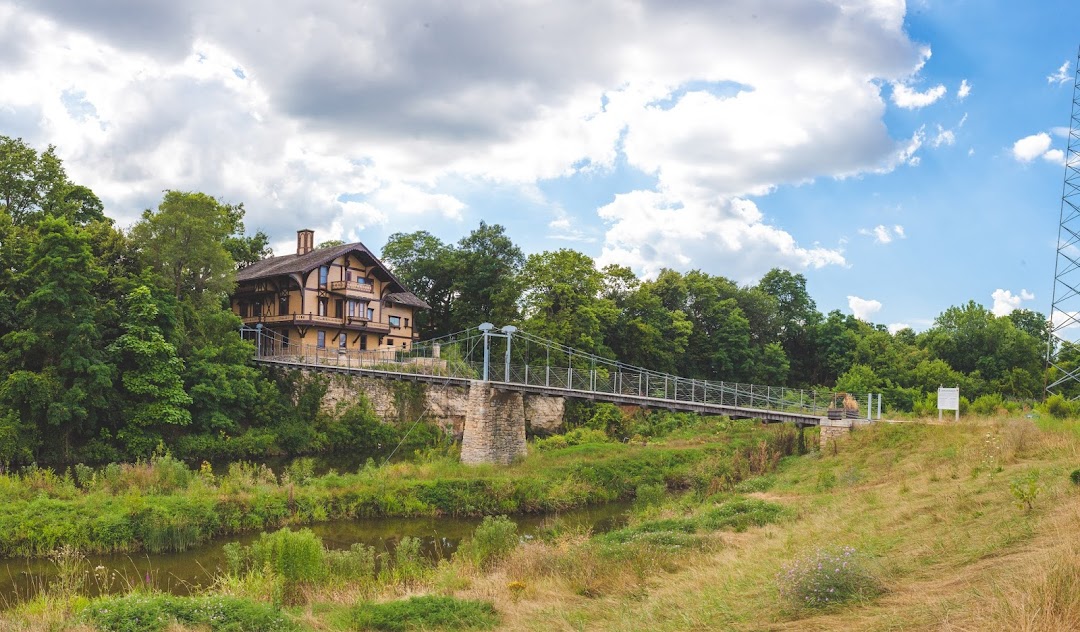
904	157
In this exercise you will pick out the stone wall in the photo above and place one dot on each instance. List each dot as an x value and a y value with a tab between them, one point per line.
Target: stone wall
834	430
494	425
447	406
544	415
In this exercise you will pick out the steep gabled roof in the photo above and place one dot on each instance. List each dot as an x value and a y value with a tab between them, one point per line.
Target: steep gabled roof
305	263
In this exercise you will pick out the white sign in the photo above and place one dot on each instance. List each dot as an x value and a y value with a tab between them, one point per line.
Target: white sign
948	399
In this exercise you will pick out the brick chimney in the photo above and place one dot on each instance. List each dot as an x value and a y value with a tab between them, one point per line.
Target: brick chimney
305	241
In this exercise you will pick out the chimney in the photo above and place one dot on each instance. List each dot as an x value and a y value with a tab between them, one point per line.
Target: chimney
305	241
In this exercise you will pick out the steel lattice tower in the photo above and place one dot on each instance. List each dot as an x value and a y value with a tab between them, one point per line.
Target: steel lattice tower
1065	302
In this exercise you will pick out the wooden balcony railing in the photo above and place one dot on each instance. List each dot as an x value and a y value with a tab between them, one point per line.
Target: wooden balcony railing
305	320
351	287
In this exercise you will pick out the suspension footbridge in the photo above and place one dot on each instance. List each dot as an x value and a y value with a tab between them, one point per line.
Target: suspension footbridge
513	360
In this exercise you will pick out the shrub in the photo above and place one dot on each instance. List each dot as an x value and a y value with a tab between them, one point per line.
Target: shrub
295	556
494	539
826	577
409	564
742	513
1075	477
650	495
1058	406
356	564
425	613
140	612
1025	489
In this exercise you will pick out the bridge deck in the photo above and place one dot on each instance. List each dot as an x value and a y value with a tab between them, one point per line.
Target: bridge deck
705	408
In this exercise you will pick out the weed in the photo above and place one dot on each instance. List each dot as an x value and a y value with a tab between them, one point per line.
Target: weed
425	613
140	612
492	541
825	578
1025	489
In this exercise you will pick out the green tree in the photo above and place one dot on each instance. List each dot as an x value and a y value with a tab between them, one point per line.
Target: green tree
796	317
150	376
486	287
429	268
561	300
59	341
186	242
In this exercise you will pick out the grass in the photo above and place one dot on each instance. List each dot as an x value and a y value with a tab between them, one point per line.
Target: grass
161	505
930	510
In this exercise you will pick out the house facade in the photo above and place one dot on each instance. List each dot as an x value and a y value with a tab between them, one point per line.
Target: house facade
341	297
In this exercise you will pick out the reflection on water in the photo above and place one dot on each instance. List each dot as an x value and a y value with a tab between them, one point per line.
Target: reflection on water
183	573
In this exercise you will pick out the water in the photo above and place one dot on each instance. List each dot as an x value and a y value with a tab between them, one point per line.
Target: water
187	572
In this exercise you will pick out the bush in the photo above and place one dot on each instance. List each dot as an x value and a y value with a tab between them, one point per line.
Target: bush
139	612
494	539
425	613
1075	477
650	495
1059	407
295	556
356	564
577	436
824	578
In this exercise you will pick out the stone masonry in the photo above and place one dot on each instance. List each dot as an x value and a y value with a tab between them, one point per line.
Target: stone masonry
834	430
494	425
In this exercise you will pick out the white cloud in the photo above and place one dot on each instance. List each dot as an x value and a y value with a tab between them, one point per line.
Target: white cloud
883	234
1055	156
1005	301
1061	75
911	99
1031	147
944	137
895	327
863	308
964	90
650	231
358	116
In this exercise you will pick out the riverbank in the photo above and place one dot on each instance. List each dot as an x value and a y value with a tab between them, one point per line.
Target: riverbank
959	527
163	505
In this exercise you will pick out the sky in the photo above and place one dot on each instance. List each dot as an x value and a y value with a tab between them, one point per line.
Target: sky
904	157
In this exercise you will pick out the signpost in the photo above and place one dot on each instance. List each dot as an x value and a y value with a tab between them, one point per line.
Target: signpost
948	399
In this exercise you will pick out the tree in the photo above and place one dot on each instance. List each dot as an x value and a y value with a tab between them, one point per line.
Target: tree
487	287
186	243
57	354
796	315
150	376
428	267
561	300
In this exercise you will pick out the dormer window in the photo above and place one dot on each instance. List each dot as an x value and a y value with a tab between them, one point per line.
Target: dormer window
324	273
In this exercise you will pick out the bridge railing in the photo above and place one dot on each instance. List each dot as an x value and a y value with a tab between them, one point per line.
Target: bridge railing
458	356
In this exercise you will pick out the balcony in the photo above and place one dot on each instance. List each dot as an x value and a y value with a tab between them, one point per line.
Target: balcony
308	320
352	288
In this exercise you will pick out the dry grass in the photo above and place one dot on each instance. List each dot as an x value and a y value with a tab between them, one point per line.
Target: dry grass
931	506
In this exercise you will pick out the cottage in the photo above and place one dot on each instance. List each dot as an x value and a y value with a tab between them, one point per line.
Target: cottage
341	297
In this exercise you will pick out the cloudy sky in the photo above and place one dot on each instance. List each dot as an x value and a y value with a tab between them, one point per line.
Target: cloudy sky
904	157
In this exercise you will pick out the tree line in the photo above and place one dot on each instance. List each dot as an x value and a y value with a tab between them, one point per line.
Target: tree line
115	343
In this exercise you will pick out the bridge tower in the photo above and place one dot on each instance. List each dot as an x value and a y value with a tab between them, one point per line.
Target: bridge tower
1065	302
494	419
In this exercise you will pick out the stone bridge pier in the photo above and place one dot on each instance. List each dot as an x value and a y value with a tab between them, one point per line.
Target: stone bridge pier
494	425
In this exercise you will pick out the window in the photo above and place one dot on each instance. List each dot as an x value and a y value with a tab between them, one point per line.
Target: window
322	306
243	309
363	342
348	275
283	305
406	322
342	341
352	309
395	321
321	343
371	313
256	309
324	272
339	308
390	342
